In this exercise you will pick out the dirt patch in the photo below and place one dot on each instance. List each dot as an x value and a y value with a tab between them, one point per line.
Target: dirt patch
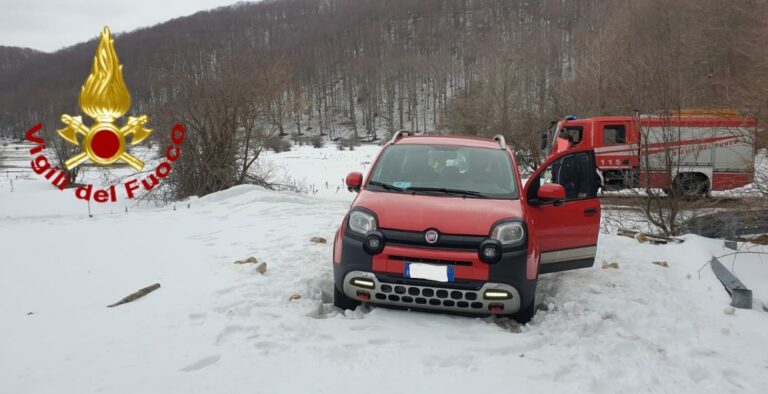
759	240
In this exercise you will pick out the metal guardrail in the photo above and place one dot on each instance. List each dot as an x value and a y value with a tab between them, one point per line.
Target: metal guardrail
741	296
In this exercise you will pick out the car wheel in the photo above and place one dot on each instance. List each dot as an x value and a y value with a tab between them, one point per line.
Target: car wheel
341	301
525	314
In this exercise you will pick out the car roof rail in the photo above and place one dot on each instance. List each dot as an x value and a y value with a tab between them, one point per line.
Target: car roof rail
400	134
501	140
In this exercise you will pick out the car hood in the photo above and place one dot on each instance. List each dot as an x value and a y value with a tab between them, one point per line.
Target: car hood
447	214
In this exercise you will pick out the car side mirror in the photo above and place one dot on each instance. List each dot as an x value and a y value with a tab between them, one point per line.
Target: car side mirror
551	192
355	181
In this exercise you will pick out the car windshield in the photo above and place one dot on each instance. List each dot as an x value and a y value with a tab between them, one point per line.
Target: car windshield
449	170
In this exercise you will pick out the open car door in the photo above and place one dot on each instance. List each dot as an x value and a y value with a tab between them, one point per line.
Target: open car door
566	227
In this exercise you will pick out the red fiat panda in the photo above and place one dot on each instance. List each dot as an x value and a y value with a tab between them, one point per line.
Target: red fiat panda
445	223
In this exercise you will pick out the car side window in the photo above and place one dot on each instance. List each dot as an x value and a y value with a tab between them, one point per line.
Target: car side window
576	173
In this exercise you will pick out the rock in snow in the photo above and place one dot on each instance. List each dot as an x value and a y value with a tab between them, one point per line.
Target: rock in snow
249	260
261	268
613	265
318	240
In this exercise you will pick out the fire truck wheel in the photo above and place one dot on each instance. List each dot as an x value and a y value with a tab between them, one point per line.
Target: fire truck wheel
690	185
341	301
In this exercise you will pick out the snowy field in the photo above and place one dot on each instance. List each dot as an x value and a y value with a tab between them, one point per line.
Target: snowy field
215	326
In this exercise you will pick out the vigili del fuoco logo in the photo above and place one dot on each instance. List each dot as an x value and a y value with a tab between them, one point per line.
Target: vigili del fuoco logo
104	97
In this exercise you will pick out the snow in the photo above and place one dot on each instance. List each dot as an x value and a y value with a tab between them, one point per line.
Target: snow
216	326
751	267
317	167
760	185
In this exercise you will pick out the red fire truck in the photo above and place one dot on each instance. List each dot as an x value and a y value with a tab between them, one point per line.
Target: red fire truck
690	153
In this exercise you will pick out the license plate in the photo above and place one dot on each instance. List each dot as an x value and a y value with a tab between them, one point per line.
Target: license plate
437	273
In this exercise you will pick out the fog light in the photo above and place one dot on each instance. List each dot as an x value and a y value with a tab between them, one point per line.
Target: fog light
490	251
374	242
363	282
496	295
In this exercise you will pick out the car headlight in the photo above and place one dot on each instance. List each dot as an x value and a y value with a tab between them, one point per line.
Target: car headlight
509	233
361	222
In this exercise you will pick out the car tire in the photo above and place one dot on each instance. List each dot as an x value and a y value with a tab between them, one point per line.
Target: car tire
341	301
525	314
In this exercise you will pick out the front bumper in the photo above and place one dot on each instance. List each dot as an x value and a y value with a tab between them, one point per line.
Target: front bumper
425	295
465	295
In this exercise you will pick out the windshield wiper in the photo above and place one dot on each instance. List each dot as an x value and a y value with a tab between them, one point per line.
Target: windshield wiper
385	186
447	191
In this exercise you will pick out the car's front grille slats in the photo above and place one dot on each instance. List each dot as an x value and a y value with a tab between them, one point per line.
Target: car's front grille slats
430	261
444	241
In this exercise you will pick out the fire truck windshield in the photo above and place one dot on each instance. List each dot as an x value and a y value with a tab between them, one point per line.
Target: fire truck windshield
577	132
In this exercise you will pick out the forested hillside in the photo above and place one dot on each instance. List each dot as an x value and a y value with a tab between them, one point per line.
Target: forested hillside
352	67
12	58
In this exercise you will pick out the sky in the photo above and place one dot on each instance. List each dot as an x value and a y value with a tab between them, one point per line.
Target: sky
51	25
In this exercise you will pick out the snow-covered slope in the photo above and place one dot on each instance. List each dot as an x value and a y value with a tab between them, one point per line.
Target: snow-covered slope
216	326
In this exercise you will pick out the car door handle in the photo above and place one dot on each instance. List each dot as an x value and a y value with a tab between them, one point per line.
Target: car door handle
590	211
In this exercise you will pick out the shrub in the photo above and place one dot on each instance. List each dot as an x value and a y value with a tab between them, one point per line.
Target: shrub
351	142
296	138
317	141
278	144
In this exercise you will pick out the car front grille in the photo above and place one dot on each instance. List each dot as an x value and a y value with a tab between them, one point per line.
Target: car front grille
430	261
419	295
445	241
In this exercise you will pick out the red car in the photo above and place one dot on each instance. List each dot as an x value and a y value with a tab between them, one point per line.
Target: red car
445	223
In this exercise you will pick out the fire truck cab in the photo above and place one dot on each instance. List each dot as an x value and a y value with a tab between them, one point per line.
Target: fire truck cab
690	154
